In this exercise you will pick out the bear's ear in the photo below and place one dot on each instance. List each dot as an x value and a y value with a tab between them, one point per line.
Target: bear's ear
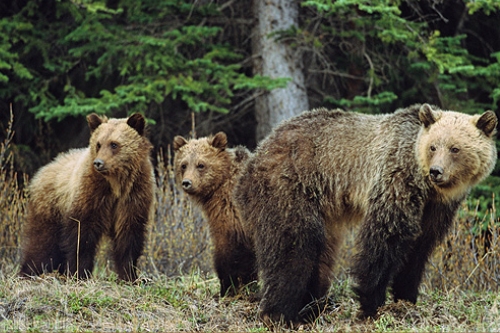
426	115
137	122
219	141
242	154
179	141
94	121
487	123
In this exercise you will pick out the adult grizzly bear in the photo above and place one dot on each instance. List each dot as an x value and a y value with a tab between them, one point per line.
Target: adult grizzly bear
104	189
402	175
207	171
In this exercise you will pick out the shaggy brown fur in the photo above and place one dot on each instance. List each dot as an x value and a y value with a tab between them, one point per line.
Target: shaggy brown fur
207	171
105	189
401	175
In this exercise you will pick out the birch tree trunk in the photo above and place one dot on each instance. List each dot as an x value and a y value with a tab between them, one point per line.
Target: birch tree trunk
276	59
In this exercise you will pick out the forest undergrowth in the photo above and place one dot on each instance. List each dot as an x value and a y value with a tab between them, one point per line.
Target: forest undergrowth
178	289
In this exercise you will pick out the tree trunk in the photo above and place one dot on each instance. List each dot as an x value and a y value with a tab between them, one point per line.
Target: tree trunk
276	59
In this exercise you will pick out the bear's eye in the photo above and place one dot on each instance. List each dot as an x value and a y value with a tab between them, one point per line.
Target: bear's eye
113	145
98	145
201	166
183	166
433	148
454	150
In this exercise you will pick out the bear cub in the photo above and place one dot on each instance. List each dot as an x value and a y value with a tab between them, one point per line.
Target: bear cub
104	189
402	176
207	171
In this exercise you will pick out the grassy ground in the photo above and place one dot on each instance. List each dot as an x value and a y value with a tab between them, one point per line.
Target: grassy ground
178	289
187	303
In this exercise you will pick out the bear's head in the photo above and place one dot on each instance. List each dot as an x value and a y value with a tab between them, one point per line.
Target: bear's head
455	150
201	165
118	146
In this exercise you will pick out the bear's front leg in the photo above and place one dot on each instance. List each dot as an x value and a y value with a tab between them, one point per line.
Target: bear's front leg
229	282
224	266
386	239
128	245
406	282
41	250
436	222
79	240
245	266
234	263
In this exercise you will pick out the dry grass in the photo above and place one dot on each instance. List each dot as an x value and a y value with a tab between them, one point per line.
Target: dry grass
178	287
187	303
12	200
468	261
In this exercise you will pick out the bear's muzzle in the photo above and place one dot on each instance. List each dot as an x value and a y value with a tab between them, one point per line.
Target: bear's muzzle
99	165
187	185
436	173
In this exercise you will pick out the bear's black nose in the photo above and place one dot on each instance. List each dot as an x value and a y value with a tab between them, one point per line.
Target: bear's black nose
436	173
98	164
186	184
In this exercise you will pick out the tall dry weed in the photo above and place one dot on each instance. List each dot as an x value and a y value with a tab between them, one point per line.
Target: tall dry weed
12	201
469	258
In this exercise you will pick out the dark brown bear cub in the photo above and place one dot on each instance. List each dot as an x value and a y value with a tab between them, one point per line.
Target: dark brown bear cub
401	175
207	171
104	189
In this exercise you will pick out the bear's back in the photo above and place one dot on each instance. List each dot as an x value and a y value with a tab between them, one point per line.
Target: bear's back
339	158
59	182
338	142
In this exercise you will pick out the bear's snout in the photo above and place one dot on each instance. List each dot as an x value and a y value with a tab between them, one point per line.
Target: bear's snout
436	173
187	184
99	164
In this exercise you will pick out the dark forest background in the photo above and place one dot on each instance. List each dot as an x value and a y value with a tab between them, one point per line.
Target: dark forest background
177	61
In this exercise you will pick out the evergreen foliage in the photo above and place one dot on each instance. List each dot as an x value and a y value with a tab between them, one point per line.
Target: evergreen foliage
403	52
62	58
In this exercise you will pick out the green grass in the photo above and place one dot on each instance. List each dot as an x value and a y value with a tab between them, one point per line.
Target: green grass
178	289
190	303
